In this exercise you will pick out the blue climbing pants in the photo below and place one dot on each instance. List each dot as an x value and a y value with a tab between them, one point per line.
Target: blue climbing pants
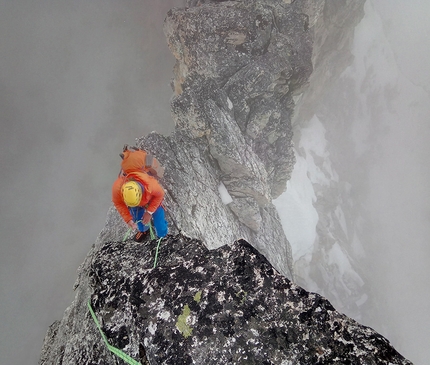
158	219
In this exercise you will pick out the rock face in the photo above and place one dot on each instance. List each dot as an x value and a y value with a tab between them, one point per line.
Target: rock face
225	306
240	66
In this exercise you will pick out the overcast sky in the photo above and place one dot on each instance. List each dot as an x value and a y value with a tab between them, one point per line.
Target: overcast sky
80	78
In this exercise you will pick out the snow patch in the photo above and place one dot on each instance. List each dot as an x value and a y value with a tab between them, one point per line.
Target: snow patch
298	215
336	256
225	196
313	137
341	218
314	144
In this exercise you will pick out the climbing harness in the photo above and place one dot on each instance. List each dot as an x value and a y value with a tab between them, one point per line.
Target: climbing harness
122	355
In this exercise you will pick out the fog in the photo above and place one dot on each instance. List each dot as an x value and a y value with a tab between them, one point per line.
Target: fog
78	79
373	129
398	199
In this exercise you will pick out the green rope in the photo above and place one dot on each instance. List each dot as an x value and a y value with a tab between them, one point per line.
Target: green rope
112	349
151	231
127	234
156	252
129	231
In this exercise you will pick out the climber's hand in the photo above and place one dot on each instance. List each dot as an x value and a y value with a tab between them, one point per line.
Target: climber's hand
131	224
146	218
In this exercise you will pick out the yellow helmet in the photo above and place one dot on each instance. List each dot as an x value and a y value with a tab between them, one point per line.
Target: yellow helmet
131	193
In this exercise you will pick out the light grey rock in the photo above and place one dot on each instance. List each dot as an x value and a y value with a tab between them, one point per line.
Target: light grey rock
195	207
247	211
243	172
239	65
256	55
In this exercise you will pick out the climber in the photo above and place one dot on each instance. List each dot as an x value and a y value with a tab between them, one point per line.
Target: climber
138	196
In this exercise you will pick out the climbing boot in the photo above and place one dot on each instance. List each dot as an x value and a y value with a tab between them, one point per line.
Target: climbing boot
141	236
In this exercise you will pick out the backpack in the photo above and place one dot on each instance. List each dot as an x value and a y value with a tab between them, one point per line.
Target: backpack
136	159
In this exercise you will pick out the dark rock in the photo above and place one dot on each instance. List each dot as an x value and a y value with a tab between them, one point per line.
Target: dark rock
224	306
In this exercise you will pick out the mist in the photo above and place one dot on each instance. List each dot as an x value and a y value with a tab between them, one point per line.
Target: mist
398	201
371	138
385	95
78	79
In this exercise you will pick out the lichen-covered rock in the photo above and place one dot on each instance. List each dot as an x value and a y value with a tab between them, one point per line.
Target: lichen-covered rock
225	306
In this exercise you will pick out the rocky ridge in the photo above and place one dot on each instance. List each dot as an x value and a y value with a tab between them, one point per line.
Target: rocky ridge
240	67
197	306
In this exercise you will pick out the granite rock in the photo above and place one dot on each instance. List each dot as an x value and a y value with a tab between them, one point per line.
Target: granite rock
200	306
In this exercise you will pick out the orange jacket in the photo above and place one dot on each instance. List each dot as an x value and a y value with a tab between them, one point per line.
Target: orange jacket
152	196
